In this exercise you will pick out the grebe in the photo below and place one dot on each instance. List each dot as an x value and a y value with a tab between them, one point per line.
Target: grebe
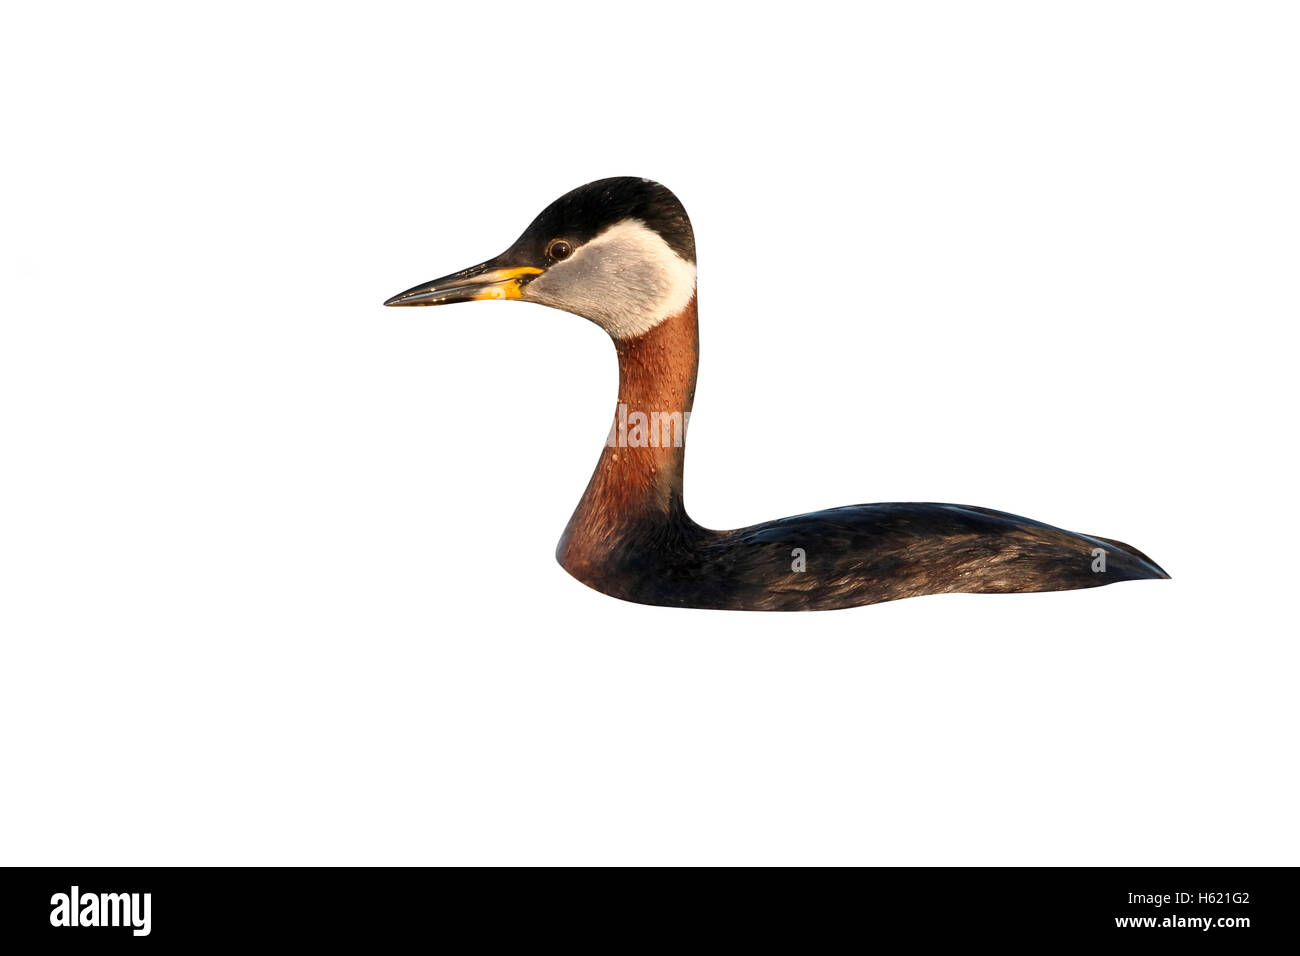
621	253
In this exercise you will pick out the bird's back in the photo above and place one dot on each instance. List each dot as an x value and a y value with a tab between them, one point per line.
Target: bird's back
863	554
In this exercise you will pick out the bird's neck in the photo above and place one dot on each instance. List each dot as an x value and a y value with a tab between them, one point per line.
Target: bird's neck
639	476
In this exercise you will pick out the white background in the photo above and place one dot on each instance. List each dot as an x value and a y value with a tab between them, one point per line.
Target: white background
276	564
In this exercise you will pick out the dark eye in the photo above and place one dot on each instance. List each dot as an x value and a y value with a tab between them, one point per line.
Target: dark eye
559	249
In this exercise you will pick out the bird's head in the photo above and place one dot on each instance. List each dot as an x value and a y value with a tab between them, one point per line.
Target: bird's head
619	252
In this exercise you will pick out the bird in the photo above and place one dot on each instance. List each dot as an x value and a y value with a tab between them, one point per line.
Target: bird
620	252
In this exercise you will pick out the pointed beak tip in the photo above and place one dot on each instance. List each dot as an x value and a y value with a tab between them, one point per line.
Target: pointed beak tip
409	297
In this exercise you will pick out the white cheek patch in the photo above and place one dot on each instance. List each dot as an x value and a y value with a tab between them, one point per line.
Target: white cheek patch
627	280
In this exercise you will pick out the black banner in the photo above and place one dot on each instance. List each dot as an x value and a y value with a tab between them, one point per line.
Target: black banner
146	907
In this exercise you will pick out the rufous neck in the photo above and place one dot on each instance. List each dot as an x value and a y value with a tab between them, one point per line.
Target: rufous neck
642	463
638	480
656	370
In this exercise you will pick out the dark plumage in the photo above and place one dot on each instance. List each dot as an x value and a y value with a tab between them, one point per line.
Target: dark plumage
587	211
858	554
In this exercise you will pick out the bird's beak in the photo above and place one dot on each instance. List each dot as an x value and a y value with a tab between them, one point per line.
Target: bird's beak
487	280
